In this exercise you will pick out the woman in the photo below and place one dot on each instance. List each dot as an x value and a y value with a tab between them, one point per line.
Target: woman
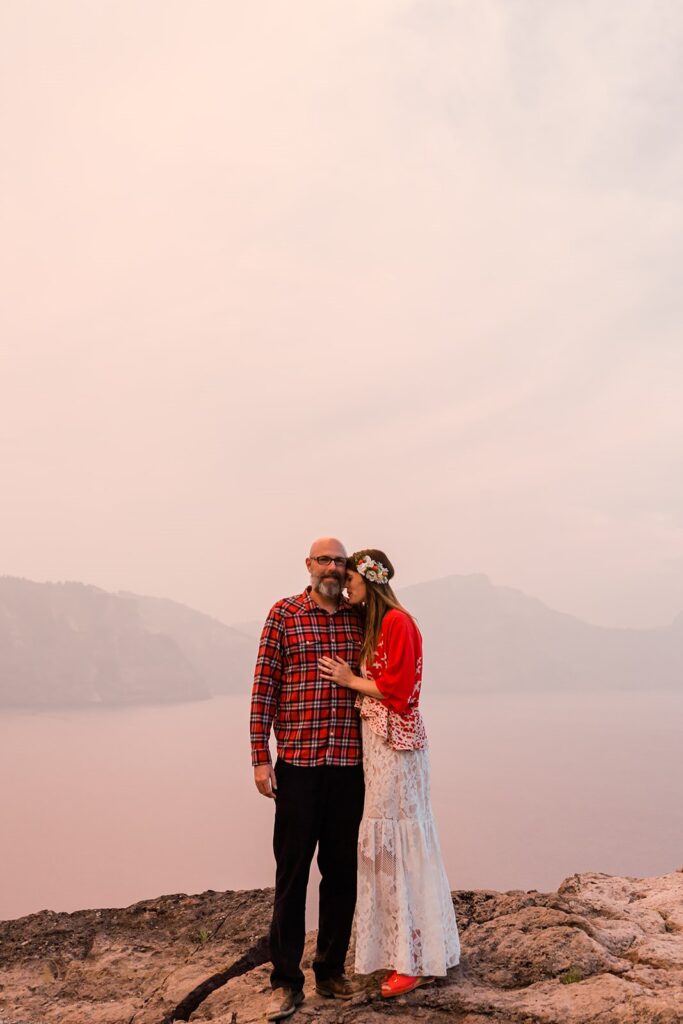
404	914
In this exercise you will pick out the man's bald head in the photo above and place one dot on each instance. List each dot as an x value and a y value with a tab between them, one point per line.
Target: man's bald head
327	546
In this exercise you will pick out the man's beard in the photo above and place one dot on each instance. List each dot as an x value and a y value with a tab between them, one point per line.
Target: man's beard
328	586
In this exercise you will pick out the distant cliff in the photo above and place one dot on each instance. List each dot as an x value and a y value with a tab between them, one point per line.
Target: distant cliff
600	949
67	644
72	644
480	637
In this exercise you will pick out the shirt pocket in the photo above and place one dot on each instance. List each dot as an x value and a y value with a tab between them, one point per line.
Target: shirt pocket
301	655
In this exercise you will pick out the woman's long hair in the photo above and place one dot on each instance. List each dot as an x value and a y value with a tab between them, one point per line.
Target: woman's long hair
379	599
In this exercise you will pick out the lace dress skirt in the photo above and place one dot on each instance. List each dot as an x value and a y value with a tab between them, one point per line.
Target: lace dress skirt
404	914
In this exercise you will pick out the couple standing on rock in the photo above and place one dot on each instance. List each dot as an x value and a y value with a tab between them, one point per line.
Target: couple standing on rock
339	680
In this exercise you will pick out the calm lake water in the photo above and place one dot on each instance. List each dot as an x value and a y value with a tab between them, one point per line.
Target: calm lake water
103	808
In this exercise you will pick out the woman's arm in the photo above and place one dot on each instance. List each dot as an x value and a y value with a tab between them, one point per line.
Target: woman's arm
396	678
338	671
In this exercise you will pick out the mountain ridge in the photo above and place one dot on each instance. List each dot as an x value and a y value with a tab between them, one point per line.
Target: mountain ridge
75	644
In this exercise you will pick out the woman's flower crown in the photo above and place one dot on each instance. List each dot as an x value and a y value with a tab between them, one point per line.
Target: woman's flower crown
373	571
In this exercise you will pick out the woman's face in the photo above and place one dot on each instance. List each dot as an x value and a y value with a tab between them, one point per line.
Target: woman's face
356	587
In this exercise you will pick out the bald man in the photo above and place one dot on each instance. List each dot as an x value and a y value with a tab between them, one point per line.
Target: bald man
317	781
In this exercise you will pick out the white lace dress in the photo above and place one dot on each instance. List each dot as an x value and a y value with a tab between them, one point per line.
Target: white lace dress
404	914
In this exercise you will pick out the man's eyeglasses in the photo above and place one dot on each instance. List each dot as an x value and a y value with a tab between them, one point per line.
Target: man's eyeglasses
325	560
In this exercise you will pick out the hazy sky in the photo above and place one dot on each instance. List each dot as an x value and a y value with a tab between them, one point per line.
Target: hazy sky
408	272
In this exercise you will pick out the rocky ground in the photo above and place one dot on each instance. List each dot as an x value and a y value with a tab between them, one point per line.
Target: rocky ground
600	950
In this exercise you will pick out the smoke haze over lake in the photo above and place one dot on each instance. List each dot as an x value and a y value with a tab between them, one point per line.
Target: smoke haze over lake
403	272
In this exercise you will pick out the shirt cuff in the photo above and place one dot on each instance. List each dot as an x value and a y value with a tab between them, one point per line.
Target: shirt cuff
260	757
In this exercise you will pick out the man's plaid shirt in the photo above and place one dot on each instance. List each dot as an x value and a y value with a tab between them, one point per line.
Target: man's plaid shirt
315	722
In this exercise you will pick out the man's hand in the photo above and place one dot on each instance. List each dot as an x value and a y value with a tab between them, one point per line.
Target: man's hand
264	777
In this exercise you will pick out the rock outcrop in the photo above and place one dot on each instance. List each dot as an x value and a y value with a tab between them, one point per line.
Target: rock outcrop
600	950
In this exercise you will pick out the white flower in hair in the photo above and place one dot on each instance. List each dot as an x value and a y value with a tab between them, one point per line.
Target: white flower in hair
373	571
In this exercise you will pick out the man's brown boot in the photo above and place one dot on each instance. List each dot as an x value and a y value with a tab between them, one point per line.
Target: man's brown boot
282	1003
340	987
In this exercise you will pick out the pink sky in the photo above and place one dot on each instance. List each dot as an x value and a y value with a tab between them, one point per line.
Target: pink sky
404	272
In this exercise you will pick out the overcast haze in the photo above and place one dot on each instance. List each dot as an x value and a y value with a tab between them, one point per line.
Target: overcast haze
409	273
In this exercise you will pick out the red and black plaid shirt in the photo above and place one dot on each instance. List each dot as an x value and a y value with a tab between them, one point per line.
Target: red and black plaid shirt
315	722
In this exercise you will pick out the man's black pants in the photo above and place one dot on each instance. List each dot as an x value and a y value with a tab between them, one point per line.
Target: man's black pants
315	806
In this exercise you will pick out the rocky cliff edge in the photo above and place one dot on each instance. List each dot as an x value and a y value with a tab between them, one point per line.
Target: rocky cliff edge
600	950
